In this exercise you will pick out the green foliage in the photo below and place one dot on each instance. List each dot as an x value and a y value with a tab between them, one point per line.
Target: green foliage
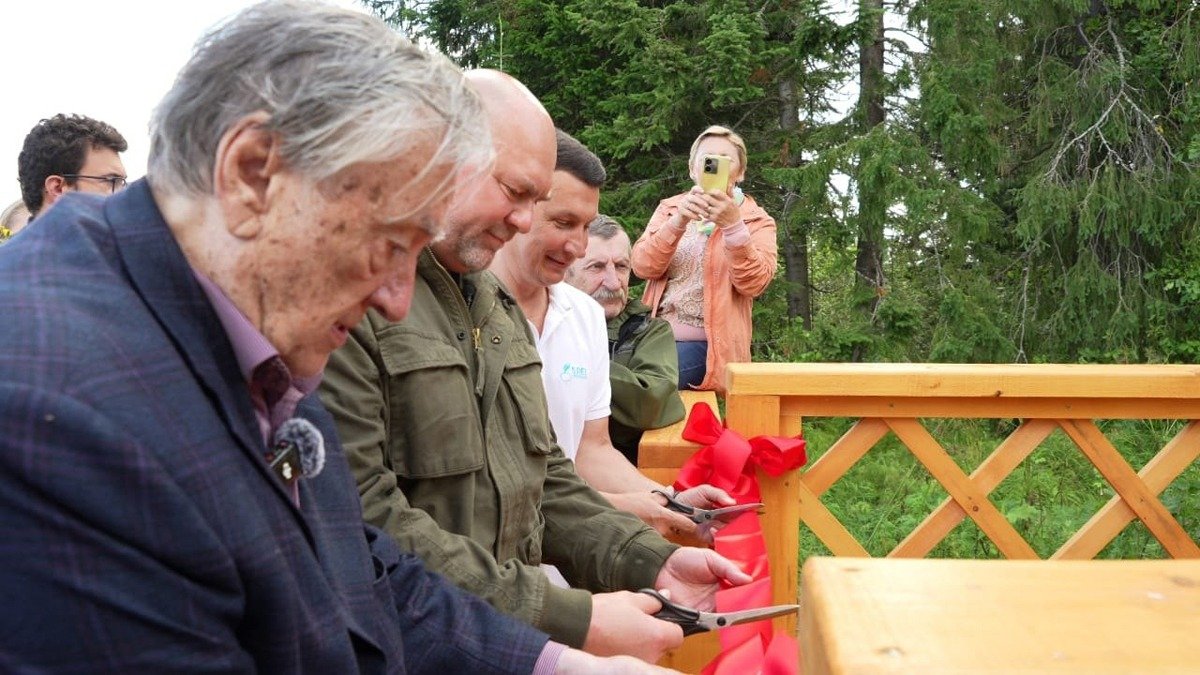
1033	189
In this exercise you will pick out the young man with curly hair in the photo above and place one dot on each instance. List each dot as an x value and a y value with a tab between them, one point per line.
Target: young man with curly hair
69	153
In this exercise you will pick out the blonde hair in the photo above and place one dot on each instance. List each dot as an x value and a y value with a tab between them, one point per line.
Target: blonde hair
719	131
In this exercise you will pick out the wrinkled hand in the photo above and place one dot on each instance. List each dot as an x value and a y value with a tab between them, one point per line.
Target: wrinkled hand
693	575
575	662
652	510
623	623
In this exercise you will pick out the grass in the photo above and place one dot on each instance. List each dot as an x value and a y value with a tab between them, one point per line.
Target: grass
1047	498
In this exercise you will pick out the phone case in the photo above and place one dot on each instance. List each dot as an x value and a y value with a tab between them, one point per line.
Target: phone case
714	174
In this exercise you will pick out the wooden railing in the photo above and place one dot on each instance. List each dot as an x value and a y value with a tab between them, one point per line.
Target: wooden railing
774	398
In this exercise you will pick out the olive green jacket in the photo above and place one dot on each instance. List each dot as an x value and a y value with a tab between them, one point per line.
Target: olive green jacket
645	377
443	418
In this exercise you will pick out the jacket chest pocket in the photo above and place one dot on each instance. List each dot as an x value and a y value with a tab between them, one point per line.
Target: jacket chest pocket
434	415
523	385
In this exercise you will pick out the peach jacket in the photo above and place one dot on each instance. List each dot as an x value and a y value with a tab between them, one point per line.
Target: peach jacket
733	277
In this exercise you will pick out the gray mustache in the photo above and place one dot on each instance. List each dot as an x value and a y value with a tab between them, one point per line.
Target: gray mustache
604	294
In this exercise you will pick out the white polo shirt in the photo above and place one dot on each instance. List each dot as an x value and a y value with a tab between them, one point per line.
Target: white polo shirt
574	350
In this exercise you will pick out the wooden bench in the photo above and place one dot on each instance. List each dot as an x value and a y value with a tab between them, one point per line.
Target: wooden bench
872	616
662	451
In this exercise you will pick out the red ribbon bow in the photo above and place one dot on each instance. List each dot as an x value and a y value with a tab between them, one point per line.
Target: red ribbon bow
729	462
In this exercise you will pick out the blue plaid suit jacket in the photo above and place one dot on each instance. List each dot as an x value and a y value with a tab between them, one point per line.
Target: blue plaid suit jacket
140	528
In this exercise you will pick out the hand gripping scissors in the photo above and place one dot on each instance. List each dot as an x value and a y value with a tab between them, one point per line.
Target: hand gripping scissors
694	621
707	516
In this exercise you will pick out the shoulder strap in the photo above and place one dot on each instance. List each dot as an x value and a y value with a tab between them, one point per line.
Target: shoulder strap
627	330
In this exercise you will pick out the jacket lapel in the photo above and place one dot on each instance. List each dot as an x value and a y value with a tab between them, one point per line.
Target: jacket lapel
160	274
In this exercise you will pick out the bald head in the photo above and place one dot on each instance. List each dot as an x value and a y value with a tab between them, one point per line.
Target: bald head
503	92
480	221
516	115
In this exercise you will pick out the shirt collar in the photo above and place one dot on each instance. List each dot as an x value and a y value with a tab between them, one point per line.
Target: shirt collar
558	298
250	346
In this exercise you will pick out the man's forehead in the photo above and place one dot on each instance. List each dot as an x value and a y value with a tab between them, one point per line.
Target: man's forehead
604	250
521	173
105	160
569	192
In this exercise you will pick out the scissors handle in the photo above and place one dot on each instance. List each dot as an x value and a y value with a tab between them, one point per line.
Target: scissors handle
686	617
706	516
676	505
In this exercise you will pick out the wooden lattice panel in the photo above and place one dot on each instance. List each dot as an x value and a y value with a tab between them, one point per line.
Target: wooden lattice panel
889	398
1137	494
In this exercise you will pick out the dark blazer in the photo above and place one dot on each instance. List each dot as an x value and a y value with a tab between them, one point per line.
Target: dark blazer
140	528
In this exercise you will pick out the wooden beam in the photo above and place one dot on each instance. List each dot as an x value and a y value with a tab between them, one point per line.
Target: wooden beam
923	380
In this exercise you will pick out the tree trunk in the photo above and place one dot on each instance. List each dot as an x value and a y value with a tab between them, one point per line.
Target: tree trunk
872	210
795	239
799	295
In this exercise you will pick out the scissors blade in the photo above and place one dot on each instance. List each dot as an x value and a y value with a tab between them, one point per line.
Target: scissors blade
724	514
726	619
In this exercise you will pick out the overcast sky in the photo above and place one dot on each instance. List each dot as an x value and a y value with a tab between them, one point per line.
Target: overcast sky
108	59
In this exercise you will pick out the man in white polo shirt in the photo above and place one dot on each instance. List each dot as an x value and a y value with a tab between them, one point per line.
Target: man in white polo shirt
572	340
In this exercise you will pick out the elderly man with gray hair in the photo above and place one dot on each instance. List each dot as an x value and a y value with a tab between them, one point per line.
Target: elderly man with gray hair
168	503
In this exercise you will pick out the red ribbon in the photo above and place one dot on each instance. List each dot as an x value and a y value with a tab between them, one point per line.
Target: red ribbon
729	462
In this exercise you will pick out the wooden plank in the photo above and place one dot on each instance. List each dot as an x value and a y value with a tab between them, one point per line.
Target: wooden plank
826	526
961	489
889	380
881	616
665	447
817	647
1132	490
844	454
1176	456
990	473
755	416
990	407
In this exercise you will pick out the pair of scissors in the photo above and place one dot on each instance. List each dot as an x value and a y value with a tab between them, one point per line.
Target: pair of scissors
694	621
707	516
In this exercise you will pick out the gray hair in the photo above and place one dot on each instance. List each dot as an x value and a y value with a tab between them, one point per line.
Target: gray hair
604	227
340	88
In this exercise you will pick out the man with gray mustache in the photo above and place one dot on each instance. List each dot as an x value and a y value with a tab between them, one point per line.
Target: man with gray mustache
644	370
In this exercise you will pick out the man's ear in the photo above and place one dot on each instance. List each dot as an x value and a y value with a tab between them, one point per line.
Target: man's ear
247	160
53	188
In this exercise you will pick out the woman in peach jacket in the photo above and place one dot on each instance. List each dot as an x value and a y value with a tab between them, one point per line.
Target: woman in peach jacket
705	257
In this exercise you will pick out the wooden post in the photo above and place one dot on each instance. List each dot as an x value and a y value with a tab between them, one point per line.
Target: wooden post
757	415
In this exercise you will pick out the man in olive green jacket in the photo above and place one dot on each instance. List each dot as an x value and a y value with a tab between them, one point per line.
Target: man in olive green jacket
644	371
443	418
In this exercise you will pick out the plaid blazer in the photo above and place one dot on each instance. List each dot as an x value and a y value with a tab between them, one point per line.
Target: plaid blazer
140	528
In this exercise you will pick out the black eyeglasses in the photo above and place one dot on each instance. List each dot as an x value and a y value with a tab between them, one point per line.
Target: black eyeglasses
114	182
